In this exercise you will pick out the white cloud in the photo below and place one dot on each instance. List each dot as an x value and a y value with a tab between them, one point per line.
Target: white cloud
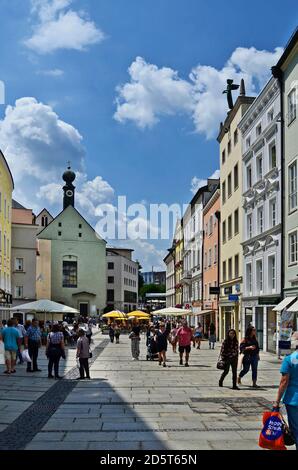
148	254
153	92
197	183
58	27
51	73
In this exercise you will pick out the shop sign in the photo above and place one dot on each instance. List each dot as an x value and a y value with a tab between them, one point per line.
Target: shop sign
269	300
214	290
234	298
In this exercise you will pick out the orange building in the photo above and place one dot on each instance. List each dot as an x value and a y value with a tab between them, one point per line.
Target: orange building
211	219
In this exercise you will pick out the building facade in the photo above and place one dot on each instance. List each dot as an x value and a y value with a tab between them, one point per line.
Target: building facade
178	243
71	261
155	277
211	223
6	189
261	215
23	254
231	217
169	261
122	280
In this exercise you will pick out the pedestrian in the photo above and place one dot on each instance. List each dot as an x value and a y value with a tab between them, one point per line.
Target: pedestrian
288	391
250	349
22	334
55	349
212	335
198	334
161	338
111	333
33	343
89	332
11	339
173	338
184	337
229	354
83	354
3	325
135	342
117	332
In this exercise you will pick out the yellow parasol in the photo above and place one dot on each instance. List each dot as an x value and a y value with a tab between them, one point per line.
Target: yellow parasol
139	314
116	314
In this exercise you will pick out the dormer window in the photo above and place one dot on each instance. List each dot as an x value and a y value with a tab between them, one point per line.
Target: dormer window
259	130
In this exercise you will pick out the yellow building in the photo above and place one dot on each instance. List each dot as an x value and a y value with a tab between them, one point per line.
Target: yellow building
6	188
178	244
231	217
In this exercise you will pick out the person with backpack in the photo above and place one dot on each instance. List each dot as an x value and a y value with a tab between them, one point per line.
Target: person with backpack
288	391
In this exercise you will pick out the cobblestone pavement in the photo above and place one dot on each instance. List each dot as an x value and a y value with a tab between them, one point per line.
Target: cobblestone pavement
135	404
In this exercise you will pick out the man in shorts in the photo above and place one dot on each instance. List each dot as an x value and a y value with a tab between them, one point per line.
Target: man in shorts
184	336
11	338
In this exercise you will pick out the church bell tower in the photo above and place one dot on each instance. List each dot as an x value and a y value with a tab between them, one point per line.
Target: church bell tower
68	189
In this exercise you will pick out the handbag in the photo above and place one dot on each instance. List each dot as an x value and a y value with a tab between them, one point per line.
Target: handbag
221	363
272	434
289	439
90	355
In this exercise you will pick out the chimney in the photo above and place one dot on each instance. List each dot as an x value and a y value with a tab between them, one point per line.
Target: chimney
242	88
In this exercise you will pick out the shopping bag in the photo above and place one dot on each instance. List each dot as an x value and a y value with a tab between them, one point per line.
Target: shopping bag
25	356
272	434
2	359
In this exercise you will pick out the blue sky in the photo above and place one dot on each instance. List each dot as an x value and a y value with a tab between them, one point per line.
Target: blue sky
145	156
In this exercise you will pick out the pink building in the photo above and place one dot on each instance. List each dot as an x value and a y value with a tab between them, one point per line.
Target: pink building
211	220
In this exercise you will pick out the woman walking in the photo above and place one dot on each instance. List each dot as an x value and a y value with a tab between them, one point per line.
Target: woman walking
249	347
173	338
117	332
161	339
135	342
212	335
111	333
198	334
54	351
229	354
83	354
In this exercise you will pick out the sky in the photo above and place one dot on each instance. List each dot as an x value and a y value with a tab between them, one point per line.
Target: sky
130	92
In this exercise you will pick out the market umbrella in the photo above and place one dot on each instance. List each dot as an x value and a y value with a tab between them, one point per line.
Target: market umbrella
139	313
172	312
132	317
45	306
115	314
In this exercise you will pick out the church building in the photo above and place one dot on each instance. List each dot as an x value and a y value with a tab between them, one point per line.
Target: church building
71	258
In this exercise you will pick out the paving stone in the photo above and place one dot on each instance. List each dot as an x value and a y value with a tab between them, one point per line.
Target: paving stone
46	445
49	436
90	436
115	445
141	436
234	445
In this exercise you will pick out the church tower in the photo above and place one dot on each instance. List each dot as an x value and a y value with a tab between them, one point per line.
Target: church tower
68	189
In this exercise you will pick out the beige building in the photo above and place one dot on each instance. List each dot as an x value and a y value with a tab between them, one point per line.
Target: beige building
231	217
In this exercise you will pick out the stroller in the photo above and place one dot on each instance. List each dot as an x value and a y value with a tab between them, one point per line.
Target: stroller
151	349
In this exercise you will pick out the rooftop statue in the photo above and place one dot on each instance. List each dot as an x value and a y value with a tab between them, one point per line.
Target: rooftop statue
228	91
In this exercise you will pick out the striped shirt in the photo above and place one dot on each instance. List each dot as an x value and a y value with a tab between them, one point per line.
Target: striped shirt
56	338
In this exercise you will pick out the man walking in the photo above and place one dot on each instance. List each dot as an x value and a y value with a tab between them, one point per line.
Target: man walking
184	337
22	333
33	343
10	336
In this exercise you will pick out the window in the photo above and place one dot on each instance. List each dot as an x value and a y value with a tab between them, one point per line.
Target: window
249	226
80	235
230	185
248	177
80	225
293	186
270	116
110	295
259	268
224	271
211	225
236	222
236	266
59	234
272	156
292	106
236	137
259	130
260	220
19	264
260	167
70	274
248	278
215	254
205	259
248	142
210	257
110	265
293	248
271	273
223	192
223	156
236	177
229	147
44	221
59	224
19	292
110	279
272	213
230	227
224	234
230	268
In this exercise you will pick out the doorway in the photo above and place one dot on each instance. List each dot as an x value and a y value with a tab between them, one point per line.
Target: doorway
260	326
84	309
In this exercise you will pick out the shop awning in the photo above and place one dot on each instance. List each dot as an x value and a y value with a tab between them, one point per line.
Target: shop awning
284	303
202	312
293	308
